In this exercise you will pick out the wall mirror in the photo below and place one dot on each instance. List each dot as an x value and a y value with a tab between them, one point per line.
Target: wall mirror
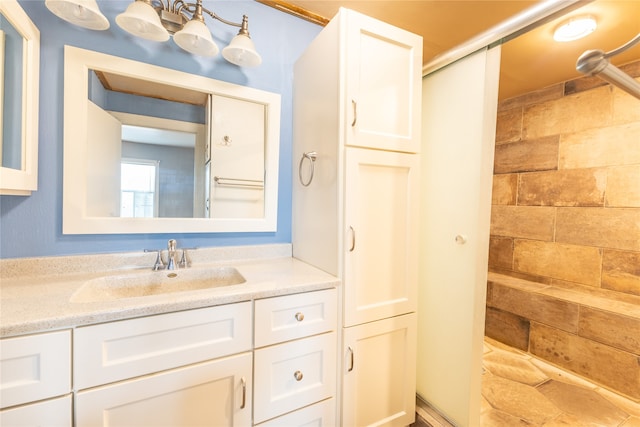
19	89
154	150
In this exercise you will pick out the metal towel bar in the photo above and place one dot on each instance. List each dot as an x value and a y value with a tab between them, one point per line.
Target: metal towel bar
237	182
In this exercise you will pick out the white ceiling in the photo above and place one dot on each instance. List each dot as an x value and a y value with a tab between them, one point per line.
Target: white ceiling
531	61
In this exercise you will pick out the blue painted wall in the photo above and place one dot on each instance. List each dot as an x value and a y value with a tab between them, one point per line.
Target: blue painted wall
32	226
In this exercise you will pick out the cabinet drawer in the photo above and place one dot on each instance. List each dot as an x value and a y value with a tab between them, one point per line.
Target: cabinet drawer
54	412
294	316
113	351
292	375
322	414
34	367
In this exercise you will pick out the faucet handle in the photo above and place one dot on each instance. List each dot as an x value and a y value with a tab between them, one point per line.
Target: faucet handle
183	260
158	264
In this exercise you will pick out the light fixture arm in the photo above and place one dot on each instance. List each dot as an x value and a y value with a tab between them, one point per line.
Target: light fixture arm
197	9
244	25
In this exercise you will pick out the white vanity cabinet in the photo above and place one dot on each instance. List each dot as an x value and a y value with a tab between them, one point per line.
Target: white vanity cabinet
35	372
295	360
185	368
356	200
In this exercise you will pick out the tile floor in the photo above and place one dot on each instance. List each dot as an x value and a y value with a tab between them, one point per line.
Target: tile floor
521	390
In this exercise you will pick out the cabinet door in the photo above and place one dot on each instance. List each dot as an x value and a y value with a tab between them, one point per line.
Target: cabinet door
381	221
48	413
216	393
384	80
238	158
379	373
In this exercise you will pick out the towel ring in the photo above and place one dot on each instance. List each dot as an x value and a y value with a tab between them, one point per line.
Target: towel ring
311	155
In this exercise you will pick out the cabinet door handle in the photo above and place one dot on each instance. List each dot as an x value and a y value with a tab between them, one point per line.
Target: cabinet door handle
353	239
351	359
243	381
299	316
355	112
298	375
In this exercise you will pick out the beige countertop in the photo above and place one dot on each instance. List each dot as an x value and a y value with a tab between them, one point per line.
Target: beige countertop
34	302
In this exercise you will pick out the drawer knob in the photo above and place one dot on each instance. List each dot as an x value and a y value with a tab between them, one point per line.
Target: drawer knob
299	316
298	375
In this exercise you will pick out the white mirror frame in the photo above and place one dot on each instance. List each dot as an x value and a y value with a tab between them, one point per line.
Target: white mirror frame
21	182
77	63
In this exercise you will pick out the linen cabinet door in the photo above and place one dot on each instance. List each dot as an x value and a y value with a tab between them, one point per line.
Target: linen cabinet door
384	81
381	226
379	375
216	393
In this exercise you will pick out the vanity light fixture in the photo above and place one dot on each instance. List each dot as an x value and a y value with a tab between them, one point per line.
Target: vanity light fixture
158	20
575	28
84	13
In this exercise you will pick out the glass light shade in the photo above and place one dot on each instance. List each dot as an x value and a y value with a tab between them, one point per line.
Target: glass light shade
574	29
195	38
84	13
142	20
242	52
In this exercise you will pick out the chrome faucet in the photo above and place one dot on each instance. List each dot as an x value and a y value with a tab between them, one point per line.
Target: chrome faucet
172	260
171	254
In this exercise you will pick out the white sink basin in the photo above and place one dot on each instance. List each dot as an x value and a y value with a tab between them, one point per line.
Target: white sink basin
134	285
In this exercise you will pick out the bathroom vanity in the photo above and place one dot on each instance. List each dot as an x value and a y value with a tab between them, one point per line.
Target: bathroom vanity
261	352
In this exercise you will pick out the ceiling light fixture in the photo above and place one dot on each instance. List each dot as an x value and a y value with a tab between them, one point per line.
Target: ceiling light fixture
157	20
575	28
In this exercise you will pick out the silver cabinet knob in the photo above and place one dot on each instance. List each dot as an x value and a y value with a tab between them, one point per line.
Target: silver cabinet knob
299	316
298	375
461	239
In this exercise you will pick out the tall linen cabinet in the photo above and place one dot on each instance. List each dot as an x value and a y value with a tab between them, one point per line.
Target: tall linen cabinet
357	102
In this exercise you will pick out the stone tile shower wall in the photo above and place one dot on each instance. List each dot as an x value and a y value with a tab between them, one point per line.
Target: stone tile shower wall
566	223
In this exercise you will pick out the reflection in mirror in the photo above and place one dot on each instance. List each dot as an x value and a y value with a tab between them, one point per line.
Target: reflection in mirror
153	150
11	94
153	160
19	82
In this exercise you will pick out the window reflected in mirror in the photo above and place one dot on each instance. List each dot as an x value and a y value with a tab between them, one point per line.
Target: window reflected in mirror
139	188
